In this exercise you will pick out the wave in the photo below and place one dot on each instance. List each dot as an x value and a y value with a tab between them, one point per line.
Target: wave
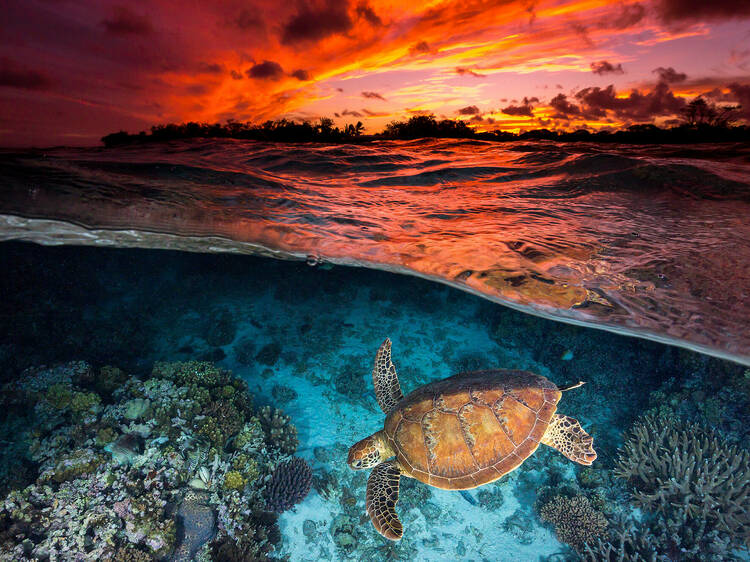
649	241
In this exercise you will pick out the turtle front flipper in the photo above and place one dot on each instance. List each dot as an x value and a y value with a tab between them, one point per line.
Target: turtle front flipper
385	380
567	436
382	495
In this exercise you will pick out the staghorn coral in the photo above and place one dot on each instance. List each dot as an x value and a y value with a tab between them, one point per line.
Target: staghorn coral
689	476
575	520
653	540
289	485
627	542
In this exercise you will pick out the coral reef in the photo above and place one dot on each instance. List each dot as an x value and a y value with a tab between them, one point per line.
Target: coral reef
173	466
278	427
289	485
575	520
696	482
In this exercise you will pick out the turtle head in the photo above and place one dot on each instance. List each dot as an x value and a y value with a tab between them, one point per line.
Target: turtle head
367	453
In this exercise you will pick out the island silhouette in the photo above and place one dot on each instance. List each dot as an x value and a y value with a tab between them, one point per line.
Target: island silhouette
701	122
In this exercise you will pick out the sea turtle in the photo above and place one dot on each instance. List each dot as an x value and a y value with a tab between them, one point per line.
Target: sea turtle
459	433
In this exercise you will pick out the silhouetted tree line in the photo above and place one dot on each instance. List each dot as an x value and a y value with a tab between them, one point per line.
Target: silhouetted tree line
282	130
702	122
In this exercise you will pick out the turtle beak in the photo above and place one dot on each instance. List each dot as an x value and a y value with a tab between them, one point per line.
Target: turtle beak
352	460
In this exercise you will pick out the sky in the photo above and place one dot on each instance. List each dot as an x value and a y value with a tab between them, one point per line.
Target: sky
74	70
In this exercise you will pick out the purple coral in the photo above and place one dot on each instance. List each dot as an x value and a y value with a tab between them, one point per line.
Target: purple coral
289	484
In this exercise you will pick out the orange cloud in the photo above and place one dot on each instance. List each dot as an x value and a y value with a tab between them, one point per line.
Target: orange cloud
210	61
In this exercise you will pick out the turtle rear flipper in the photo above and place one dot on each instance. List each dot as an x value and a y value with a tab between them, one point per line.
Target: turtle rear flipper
567	436
382	495
385	380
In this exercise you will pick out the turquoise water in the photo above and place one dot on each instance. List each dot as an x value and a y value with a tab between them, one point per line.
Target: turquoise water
303	338
188	331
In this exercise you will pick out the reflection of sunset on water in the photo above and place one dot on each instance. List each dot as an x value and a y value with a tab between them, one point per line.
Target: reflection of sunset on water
625	238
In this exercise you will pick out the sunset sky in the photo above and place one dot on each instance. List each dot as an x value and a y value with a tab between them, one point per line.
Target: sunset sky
74	70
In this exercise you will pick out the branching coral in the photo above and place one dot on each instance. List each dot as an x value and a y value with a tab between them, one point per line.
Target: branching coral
575	520
690	476
656	539
280	431
289	485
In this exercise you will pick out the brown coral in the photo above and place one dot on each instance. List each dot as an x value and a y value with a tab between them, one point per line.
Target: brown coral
279	429
575	520
680	469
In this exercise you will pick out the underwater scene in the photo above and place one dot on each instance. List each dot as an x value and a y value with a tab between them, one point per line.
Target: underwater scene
410	350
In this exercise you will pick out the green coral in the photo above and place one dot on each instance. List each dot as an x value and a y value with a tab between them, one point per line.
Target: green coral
59	395
82	403
209	428
246	465
78	463
198	373
233	480
250	437
105	435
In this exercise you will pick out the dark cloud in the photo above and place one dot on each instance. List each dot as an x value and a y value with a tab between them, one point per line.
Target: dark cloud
12	75
248	20
236	75
670	75
351	113
365	11
659	101
525	109
370	113
583	32
530	7
464	71
469	110
420	47
301	74
196	89
738	94
124	21
741	93
267	70
480	119
373	95
629	15
210	68
312	23
677	11
563	107
605	67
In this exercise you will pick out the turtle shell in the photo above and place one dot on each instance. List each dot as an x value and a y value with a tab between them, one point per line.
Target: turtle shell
470	429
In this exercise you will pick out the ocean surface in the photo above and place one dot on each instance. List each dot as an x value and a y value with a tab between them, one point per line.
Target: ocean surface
651	241
186	351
